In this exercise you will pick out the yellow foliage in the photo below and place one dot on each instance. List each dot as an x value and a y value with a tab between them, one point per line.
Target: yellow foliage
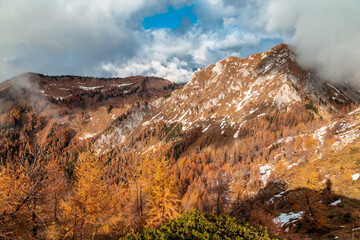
15	185
308	177
163	201
93	208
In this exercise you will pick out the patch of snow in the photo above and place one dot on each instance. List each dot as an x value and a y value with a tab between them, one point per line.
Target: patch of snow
214	101
344	126
88	135
184	115
337	92
285	218
265	172
121	85
292	165
43	93
336	202
355	111
319	134
248	94
236	134
205	129
267	66
62	98
277	196
242	124
183	96
355	177
253	110
343	139
90	88
113	116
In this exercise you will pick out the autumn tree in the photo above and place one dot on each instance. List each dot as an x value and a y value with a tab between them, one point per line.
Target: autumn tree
93	208
163	203
20	188
219	190
55	187
14	115
15	191
307	197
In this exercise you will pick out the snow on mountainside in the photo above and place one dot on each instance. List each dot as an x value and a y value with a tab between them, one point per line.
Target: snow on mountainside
259	138
235	89
78	91
87	105
262	126
227	96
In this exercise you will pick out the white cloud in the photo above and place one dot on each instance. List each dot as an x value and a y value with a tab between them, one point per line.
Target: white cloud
325	34
172	56
105	37
173	70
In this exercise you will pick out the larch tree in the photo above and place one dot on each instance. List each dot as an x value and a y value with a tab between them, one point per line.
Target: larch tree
55	187
163	203
91	209
308	198
16	190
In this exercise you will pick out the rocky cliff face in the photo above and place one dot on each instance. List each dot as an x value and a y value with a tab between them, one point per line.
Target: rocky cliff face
236	88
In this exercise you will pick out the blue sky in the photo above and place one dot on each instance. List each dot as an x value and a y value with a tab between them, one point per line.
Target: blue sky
172	18
172	38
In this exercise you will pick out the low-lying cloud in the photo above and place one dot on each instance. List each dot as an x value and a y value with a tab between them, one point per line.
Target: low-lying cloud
325	34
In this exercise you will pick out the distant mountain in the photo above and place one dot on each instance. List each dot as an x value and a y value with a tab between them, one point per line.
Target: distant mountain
82	92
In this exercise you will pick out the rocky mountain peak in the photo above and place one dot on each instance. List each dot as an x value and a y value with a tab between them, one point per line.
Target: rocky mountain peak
235	89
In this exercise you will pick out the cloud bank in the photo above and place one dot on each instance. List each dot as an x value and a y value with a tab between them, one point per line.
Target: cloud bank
107	37
325	34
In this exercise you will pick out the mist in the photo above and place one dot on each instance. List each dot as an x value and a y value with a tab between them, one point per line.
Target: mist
324	34
24	90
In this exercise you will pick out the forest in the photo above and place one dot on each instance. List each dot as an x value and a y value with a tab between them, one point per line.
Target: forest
61	189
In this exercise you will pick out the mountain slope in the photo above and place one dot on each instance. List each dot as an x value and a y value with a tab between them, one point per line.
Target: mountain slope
87	105
226	97
259	138
243	131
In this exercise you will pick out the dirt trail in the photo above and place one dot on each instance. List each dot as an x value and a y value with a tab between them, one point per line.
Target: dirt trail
48	128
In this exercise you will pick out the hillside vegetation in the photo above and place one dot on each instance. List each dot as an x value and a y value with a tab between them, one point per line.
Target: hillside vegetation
254	148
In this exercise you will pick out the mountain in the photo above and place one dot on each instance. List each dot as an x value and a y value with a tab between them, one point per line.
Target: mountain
84	103
259	138
82	92
235	94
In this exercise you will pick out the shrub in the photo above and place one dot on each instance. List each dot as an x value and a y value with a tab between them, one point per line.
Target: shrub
199	225
310	106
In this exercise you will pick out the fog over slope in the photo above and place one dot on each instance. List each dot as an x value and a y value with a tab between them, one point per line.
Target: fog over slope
325	34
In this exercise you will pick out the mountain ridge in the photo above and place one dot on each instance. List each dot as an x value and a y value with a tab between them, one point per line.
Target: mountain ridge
233	91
